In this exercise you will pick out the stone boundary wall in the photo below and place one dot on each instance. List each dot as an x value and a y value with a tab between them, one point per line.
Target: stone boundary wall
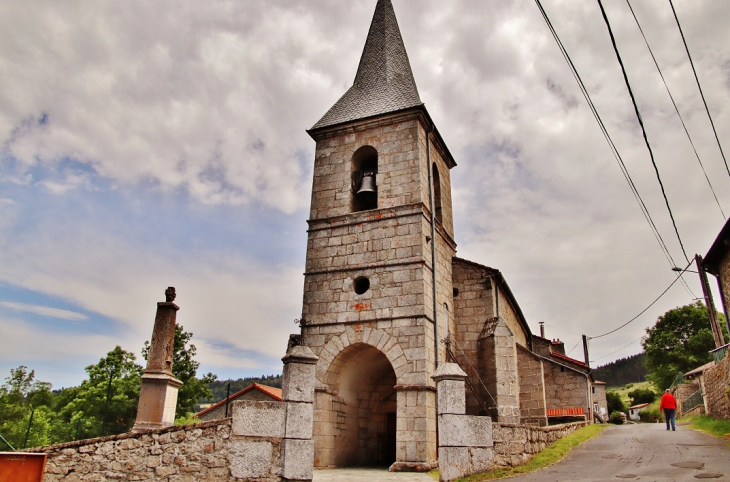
262	441
717	389
682	392
201	451
516	444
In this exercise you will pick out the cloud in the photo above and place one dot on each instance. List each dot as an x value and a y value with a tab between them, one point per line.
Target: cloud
45	311
193	126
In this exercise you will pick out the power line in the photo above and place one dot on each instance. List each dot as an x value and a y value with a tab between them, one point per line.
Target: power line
641	124
571	350
612	146
676	108
604	356
645	309
694	71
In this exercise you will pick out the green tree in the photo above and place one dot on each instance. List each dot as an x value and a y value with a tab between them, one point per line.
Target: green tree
613	400
116	375
680	341
25	413
185	369
642	395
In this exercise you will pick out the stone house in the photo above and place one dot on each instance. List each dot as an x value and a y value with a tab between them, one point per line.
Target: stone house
386	300
600	403
255	391
634	411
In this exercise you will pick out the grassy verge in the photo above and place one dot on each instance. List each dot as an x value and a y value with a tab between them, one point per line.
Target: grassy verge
552	454
705	423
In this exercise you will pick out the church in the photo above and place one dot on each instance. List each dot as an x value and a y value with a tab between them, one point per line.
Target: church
386	299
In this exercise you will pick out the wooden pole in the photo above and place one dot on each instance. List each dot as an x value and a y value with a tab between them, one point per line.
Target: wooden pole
716	330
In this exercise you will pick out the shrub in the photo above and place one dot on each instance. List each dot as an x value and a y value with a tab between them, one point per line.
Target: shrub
650	414
628	385
613	400
616	418
642	395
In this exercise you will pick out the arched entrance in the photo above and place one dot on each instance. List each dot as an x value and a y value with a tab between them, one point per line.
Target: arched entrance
355	421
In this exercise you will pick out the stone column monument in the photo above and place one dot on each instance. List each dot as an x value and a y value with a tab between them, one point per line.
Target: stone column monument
158	395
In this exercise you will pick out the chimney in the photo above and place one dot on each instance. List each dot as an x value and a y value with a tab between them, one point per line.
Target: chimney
542	329
558	346
158	395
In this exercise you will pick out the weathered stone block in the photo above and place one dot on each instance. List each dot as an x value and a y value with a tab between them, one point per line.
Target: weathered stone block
250	459
258	419
298	459
481	459
298	375
465	431
299	420
453	462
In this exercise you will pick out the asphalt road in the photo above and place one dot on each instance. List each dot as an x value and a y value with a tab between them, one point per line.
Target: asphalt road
644	452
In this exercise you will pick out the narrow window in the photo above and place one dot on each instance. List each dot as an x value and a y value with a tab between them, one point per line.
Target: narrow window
437	192
364	194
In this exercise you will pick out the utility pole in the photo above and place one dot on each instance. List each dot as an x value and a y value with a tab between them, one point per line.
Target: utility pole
228	397
27	432
585	351
106	405
714	324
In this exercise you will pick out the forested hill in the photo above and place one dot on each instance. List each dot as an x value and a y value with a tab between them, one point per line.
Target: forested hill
220	387
622	371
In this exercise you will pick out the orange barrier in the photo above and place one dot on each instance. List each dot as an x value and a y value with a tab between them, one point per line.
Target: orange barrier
566	412
22	467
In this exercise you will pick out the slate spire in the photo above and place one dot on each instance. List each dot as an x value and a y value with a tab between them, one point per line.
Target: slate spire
384	81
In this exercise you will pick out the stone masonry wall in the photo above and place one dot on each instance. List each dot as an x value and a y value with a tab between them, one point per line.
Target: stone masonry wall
717	389
564	389
499	358
516	444
437	157
532	388
262	441
472	307
682	392
507	312
394	138
199	452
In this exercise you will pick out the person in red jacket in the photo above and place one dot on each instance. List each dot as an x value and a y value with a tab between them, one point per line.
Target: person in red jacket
669	406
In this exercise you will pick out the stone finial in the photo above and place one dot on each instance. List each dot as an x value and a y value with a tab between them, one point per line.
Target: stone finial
300	354
170	294
448	371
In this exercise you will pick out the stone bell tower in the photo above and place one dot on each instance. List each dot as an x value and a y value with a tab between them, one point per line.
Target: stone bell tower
380	221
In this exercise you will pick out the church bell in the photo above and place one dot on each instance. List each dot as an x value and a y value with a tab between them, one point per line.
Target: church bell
367	185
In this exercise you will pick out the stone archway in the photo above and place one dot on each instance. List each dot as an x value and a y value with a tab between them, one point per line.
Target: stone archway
355	410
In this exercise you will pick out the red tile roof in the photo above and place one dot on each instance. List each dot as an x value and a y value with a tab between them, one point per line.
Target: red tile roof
641	405
272	392
567	358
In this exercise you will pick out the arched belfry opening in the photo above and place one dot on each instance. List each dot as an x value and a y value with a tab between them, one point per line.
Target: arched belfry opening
364	179
437	192
359	420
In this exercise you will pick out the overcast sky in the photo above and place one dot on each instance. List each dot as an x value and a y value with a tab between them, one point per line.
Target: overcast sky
155	144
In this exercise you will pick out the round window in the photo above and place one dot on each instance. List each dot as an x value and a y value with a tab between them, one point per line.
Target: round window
362	284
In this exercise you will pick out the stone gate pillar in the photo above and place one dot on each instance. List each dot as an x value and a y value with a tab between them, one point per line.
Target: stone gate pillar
298	394
465	441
